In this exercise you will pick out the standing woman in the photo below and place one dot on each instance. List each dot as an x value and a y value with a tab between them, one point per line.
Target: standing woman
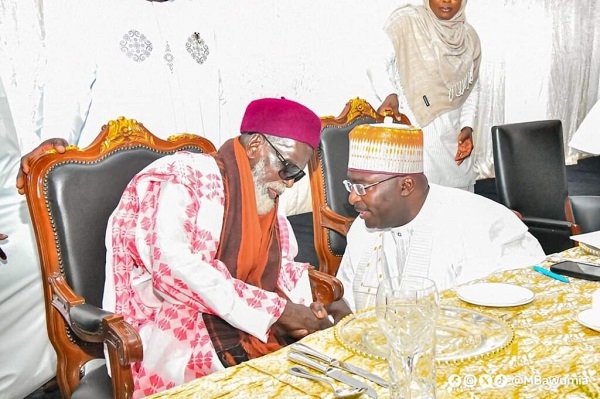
427	68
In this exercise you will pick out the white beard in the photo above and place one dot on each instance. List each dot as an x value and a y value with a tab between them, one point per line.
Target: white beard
264	203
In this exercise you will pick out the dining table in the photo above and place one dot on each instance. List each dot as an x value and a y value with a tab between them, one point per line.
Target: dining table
548	353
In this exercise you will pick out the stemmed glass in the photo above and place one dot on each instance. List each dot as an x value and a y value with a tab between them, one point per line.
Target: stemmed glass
407	309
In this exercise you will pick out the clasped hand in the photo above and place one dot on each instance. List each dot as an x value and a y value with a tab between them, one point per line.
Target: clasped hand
299	320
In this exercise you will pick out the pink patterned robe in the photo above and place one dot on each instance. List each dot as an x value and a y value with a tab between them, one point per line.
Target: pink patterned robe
165	275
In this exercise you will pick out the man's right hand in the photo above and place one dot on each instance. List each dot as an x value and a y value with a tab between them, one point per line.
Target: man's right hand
390	103
338	310
60	145
299	320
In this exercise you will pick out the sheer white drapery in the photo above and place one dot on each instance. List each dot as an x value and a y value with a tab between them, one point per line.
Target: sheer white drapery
541	58
28	359
21	63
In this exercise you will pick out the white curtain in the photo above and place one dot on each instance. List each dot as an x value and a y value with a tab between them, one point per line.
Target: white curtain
541	58
21	63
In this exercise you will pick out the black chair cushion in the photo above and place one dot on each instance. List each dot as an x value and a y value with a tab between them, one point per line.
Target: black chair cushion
94	385
302	224
552	240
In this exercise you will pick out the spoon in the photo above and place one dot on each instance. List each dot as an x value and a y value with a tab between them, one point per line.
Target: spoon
338	392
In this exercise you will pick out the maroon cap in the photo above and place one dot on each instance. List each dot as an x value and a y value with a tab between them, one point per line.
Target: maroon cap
282	118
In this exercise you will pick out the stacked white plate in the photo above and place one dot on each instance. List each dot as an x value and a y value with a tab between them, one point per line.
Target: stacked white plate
495	294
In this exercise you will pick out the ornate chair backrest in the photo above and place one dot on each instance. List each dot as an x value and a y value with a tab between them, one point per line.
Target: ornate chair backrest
332	214
71	197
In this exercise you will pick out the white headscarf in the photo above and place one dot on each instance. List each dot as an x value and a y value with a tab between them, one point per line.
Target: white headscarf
438	60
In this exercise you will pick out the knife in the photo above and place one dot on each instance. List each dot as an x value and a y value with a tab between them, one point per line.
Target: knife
334	373
333	362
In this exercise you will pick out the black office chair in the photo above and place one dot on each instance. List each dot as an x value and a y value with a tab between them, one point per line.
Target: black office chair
583	211
531	178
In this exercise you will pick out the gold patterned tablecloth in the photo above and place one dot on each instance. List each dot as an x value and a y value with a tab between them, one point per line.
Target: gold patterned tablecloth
551	356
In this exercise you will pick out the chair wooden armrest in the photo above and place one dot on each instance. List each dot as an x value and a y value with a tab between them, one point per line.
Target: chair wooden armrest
94	325
518	214
334	221
325	287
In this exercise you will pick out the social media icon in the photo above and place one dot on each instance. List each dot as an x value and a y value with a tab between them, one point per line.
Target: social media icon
454	380
500	381
486	381
469	380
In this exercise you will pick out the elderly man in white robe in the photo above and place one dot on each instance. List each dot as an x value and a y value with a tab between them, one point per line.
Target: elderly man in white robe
407	226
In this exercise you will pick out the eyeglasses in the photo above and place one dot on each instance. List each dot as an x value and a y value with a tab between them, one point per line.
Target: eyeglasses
361	189
290	170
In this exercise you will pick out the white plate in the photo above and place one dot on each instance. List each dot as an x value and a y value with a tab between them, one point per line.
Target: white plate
495	294
589	319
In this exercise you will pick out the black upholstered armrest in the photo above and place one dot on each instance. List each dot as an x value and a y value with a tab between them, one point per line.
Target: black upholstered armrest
88	318
547	223
93	324
85	320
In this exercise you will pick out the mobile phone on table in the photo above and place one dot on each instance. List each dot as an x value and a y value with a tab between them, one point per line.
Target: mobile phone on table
577	270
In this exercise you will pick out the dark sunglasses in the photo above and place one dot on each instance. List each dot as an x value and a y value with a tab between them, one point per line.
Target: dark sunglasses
290	170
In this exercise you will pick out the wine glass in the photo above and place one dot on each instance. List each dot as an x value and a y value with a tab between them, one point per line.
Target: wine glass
407	309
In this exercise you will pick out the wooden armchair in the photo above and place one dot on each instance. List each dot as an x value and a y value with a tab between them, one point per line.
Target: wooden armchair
332	214
70	198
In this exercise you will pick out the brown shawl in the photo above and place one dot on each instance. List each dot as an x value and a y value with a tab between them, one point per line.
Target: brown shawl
249	247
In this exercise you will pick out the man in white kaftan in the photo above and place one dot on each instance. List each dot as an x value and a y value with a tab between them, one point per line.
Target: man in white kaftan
456	237
409	227
156	62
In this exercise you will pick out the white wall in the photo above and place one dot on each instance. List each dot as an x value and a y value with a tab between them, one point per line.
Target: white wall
541	58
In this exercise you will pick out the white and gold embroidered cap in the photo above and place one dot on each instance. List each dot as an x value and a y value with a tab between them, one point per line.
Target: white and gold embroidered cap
386	148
